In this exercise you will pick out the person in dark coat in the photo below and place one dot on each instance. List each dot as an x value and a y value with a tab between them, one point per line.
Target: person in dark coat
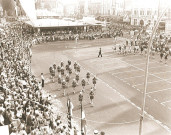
100	53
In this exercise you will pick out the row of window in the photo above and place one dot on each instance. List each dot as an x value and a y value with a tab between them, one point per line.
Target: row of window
144	12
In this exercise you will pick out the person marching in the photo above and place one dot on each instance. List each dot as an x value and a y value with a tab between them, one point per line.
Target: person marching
94	82
100	52
50	70
88	77
67	80
75	67
53	74
54	67
77	78
166	56
59	80
91	97
64	86
74	84
83	83
59	69
43	80
80	97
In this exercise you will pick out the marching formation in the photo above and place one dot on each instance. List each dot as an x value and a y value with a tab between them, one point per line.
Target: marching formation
69	75
139	45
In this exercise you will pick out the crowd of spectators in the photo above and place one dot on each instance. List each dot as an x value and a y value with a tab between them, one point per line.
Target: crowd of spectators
23	107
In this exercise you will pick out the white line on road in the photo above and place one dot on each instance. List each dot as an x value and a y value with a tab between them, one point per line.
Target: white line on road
148	82
166	102
125	72
133	77
156	100
161	72
162	125
158	91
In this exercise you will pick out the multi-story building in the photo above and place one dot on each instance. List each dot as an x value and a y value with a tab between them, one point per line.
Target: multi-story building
143	16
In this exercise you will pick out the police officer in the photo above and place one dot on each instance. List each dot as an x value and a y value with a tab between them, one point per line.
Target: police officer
100	52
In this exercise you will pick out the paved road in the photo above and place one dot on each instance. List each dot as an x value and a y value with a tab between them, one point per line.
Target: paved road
119	89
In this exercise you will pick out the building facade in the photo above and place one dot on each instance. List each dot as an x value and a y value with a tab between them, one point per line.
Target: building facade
143	16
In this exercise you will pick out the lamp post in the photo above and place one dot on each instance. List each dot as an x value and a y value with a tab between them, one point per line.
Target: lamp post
146	71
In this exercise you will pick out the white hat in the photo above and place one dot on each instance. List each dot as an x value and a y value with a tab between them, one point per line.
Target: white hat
96	132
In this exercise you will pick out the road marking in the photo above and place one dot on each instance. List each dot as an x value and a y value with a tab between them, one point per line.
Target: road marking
162	125
163	104
134	77
156	100
149	96
166	102
161	72
148	83
124	72
158	91
138	89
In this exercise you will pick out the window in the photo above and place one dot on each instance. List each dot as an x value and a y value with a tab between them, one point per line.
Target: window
148	12
135	12
135	21
141	12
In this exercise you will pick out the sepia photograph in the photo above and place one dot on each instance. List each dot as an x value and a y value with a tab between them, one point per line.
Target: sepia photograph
85	67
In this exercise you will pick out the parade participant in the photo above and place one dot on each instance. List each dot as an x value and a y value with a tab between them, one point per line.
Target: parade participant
83	83
74	84
59	80
94	82
67	80
64	86
62	64
69	62
67	67
62	72
75	66
161	54
43	80
77	78
100	52
50	71
88	77
78	69
166	56
91	96
53	75
59	69
54	67
80	97
70	71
